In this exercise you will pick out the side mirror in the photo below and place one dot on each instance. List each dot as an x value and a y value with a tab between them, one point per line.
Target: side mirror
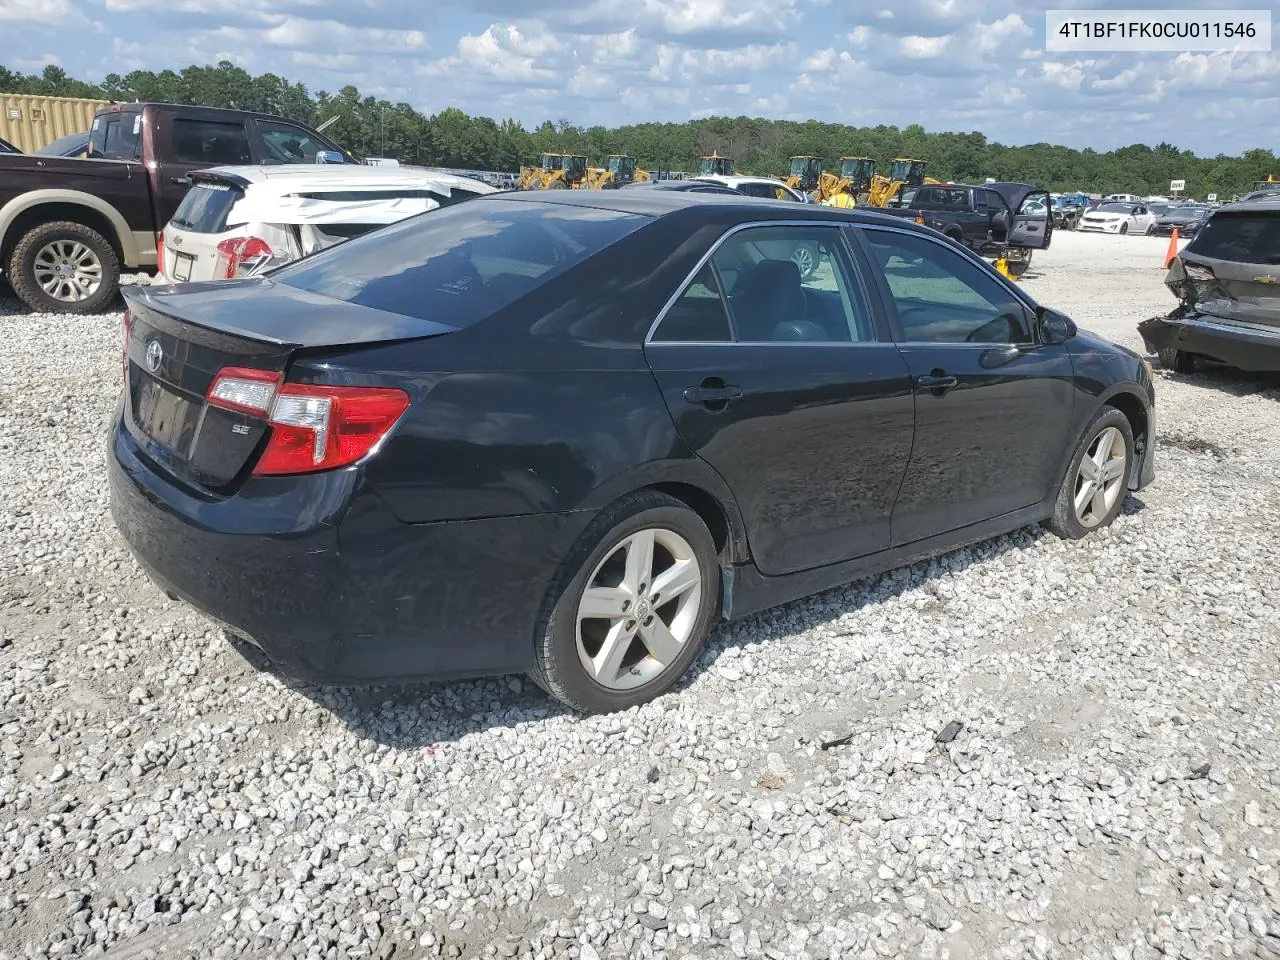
1054	327
329	156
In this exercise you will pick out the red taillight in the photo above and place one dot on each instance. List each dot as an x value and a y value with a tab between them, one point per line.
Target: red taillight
241	257
124	352
320	427
244	390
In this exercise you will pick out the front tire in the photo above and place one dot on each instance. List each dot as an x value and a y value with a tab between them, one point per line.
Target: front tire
64	267
1094	488
633	606
1124	228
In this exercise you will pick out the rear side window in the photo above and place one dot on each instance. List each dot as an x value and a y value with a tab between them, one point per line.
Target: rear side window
116	136
209	142
1240	237
463	263
205	207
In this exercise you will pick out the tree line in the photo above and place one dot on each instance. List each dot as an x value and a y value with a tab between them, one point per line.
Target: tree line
371	127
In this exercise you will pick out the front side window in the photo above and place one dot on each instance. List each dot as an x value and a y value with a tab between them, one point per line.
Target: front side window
941	297
286	143
209	142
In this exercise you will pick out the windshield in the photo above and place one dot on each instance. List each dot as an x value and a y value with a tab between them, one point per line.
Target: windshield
1115	208
116	136
463	263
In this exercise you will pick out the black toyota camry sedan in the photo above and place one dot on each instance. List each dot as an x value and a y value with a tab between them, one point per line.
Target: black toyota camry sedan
564	433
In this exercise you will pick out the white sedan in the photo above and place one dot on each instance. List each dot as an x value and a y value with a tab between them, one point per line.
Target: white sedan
1115	217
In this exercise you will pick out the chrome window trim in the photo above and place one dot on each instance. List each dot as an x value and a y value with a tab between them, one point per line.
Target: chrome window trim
976	260
702	262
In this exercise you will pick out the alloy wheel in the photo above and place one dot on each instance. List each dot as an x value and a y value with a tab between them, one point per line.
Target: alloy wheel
1100	479
639	608
804	258
67	270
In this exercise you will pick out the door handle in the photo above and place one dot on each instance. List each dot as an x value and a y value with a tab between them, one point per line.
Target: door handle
180	180
712	393
937	382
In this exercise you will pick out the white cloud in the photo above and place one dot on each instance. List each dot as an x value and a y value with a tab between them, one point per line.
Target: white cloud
923	48
41	12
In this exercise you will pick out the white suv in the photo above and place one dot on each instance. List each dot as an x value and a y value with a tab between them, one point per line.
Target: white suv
239	221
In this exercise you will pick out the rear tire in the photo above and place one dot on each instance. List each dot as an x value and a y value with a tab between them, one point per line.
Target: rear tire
1177	361
572	656
64	267
1091	496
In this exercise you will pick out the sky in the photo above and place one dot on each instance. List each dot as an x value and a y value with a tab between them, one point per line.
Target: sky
949	65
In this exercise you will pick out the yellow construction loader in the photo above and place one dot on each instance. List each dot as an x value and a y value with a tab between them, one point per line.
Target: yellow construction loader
619	171
558	171
715	166
903	173
856	174
806	172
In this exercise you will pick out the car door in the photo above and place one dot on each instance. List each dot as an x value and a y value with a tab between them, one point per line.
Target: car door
194	144
1032	225
792	390
993	406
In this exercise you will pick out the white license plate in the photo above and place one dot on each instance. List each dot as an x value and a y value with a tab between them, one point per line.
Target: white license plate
182	266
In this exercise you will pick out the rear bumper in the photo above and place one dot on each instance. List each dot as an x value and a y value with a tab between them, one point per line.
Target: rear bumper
318	573
1245	346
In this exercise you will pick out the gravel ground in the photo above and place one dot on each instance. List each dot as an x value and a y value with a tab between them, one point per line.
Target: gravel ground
1109	786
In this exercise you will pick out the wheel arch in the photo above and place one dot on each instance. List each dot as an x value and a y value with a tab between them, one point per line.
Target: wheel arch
695	484
49	206
1128	400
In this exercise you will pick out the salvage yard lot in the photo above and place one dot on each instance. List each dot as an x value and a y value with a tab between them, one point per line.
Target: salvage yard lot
1112	792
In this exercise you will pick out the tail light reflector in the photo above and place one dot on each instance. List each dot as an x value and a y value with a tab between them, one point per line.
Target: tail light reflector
1197	271
320	427
241	257
244	390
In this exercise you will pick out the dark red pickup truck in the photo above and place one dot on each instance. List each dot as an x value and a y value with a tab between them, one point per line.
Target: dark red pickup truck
68	227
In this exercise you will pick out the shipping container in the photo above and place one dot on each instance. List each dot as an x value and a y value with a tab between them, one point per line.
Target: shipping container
31	122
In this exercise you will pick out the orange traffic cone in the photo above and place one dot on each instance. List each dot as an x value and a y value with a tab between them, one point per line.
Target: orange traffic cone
1173	248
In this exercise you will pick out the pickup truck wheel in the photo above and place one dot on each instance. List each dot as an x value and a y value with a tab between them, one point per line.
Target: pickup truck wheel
64	267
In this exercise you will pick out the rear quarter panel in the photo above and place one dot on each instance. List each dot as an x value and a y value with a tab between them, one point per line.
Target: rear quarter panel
548	406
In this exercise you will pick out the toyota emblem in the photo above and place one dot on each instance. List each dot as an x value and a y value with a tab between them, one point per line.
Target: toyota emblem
154	355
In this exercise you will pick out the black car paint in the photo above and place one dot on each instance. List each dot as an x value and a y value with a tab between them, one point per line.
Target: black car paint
436	555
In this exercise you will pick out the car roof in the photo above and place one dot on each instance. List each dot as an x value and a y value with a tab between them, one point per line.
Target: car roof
1263	204
736	179
321	176
659	203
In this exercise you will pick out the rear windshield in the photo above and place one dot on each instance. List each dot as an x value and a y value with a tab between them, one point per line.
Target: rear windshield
460	264
116	136
205	207
1240	237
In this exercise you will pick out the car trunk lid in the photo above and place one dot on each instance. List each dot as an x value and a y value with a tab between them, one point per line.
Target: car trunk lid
180	337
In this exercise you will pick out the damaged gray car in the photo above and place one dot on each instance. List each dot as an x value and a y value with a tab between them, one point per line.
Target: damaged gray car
1227	281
